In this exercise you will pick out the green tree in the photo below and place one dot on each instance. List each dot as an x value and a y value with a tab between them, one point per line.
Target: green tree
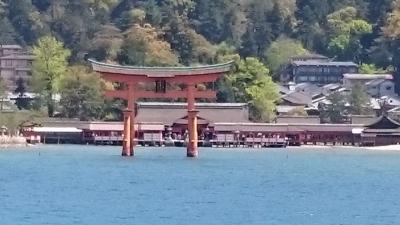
279	53
176	34
26	20
259	30
346	31
153	13
8	34
336	110
366	68
359	101
14	120
21	102
81	94
143	46
311	17
49	66
252	83
106	43
391	40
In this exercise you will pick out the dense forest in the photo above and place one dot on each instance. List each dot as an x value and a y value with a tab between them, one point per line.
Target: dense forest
259	34
192	31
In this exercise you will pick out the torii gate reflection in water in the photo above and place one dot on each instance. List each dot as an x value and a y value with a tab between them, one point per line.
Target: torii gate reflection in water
190	77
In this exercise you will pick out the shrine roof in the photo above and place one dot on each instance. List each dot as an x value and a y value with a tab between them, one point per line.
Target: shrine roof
384	122
161	71
319	63
184	105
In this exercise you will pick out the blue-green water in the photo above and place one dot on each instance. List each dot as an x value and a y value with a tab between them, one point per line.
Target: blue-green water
60	185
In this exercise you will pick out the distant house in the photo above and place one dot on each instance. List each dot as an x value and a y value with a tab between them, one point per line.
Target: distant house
350	80
390	101
15	63
307	57
296	99
312	90
317	71
380	87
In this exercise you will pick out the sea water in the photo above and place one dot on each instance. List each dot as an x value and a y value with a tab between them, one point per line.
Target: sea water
87	185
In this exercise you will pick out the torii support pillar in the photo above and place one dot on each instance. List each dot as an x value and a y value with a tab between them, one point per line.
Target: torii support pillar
131	109
192	146
192	150
127	145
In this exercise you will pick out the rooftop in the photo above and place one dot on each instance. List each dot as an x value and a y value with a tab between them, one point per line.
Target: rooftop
298	98
169	113
18	56
357	76
374	83
184	105
10	47
309	57
161	71
322	63
384	122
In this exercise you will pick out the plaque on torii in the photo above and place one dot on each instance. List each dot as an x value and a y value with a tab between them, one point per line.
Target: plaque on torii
132	76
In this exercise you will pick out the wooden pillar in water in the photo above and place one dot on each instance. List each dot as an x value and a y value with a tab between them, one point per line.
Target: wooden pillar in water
131	108
192	149
126	145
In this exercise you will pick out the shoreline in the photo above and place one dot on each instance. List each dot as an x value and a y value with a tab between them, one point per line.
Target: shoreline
5	146
19	143
360	148
12	142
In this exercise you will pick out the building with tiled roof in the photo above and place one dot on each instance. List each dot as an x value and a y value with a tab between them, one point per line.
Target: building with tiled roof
317	71
15	63
172	113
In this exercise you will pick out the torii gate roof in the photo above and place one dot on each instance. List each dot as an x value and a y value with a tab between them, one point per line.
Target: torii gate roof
161	72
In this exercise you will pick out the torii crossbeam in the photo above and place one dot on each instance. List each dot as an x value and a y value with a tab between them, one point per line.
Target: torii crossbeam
132	76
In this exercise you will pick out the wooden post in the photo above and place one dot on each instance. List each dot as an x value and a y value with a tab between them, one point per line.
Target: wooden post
192	150
126	144
131	107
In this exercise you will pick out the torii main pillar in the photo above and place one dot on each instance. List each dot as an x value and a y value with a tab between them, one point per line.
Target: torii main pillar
190	77
192	145
129	122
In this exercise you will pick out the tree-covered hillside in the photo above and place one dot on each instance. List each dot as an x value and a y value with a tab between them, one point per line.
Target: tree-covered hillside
169	32
263	33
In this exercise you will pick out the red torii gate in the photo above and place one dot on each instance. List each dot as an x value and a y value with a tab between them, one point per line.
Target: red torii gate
131	76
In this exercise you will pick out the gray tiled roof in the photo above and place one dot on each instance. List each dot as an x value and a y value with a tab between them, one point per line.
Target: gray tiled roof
374	83
10	47
18	56
264	127
298	98
356	76
309	57
319	63
198	104
168	113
